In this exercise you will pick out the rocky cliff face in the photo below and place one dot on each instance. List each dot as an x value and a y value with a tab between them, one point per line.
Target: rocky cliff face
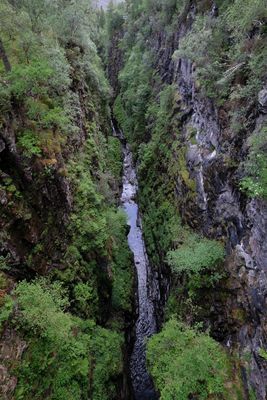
28	201
220	209
214	204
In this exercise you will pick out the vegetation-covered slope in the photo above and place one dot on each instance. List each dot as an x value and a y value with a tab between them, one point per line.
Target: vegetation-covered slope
192	102
63	326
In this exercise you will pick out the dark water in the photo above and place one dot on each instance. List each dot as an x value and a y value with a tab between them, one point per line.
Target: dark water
146	323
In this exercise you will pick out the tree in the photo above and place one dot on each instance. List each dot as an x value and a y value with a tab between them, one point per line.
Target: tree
188	364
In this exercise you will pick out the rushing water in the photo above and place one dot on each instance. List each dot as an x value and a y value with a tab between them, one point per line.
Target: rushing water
146	322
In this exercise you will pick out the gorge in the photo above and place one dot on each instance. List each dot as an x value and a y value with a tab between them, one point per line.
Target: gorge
133	258
146	299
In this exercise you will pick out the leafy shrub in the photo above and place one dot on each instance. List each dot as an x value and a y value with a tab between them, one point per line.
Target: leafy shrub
5	104
42	309
162	227
196	254
200	259
3	261
114	19
30	143
86	299
63	350
29	79
187	364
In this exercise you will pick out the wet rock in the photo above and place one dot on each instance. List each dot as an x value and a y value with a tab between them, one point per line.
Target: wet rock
214	11
257	214
11	350
262	97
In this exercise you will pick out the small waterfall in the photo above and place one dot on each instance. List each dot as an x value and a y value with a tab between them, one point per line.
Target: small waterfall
146	322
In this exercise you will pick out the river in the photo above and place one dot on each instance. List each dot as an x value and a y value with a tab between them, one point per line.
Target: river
146	322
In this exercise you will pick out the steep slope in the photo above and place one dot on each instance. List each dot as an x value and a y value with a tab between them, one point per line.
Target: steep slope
62	327
190	93
192	103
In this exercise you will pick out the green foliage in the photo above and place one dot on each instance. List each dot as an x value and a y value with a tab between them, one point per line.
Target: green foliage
4	98
63	350
222	50
88	225
162	227
45	45
228	66
196	254
114	19
263	353
122	268
255	183
114	157
3	264
119	111
30	143
29	79
42	305
98	231
131	107
252	394
55	118
108	363
6	308
199	259
86	299
3	276
244	15
185	363
55	100
205	45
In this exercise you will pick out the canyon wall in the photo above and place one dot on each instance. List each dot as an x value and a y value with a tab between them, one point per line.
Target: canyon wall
197	163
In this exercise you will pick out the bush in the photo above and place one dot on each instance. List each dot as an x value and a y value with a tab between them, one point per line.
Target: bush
86	299
30	143
187	364
196	254
63	351
42	309
29	79
199	259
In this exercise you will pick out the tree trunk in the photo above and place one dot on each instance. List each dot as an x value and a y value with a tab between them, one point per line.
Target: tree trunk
4	57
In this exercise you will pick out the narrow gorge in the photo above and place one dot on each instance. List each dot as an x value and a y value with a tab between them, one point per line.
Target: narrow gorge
133	200
146	293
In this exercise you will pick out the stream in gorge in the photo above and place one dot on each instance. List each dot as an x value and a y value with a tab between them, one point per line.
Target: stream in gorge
146	294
